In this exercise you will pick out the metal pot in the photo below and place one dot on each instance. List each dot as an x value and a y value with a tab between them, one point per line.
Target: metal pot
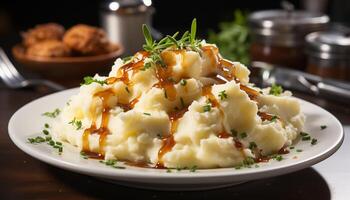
123	19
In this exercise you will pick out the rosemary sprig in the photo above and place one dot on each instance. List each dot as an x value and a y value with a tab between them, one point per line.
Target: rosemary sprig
187	41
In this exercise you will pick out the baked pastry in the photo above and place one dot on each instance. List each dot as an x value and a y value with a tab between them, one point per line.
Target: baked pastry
42	32
49	48
86	40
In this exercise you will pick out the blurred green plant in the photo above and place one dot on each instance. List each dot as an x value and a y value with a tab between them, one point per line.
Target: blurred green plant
233	38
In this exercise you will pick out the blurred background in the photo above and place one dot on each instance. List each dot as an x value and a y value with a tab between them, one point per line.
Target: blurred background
245	31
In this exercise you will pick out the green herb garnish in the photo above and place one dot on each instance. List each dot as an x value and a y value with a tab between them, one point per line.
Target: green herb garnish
46	132
274	118
252	145
183	82
193	168
149	114
88	80
223	95
243	135
313	141
36	140
234	132
323	127
155	48
276	89
52	114
207	108
77	123
279	158
47	125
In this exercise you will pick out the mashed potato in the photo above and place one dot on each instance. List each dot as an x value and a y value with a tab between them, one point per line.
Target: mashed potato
196	109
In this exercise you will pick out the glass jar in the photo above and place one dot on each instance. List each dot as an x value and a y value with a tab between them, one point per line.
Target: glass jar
278	36
329	54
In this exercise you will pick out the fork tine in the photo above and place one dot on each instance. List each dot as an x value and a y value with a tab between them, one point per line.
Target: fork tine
7	77
10	67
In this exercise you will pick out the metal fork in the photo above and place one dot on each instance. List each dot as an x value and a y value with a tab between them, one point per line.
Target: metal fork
13	79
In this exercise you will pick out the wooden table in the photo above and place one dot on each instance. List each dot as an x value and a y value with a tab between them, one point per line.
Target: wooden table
23	177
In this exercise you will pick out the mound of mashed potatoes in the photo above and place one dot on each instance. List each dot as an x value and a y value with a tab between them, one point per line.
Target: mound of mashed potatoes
193	109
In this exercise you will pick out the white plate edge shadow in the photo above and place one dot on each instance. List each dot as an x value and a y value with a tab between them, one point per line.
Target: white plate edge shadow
204	176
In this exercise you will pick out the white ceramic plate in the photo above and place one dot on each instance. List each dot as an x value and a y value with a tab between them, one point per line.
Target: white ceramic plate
28	122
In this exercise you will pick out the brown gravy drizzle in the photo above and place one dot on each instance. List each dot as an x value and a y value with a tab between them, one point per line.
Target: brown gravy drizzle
169	142
163	74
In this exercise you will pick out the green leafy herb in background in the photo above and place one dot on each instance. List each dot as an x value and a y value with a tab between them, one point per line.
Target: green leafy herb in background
233	38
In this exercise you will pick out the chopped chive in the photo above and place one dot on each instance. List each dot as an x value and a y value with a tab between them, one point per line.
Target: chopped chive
223	95
313	141
323	127
46	132
304	134
291	147
252	145
299	150
234	132
243	135
52	114
207	108
47	125
193	168
149	114
183	82
168	170
279	158
305	138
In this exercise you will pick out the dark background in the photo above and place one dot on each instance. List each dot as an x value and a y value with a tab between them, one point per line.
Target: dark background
170	16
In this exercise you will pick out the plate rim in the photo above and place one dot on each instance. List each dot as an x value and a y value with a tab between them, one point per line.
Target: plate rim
135	175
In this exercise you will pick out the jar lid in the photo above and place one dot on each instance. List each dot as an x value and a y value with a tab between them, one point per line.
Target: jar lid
288	27
126	6
329	44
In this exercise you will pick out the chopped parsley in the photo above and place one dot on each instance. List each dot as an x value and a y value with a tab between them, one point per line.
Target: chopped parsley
234	132
279	158
323	127
299	150
88	80
149	114
36	140
52	114
46	132
207	108
146	66
193	168
223	95
303	134
291	147
276	89
46	125
183	82
243	135
313	141
305	138
252	145
77	123
274	118
111	163
83	154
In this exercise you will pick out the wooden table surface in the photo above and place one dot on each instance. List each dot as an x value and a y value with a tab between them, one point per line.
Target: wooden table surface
23	177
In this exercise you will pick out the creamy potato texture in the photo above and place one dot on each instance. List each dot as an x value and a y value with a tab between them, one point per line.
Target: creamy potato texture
194	109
